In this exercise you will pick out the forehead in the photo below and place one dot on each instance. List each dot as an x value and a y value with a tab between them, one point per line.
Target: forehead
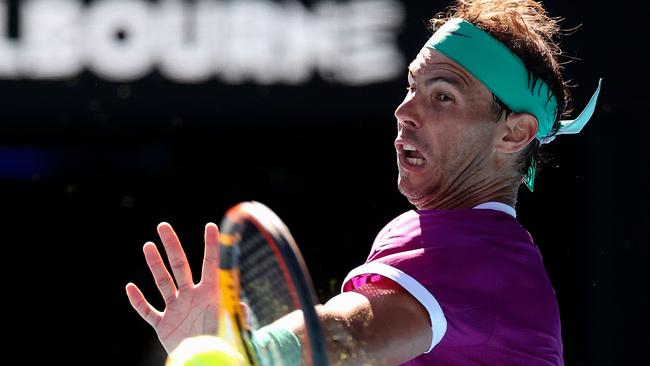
429	60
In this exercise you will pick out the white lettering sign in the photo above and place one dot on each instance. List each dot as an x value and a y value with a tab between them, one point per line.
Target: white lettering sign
259	41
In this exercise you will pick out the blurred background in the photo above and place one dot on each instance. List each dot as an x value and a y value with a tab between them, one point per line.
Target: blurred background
117	115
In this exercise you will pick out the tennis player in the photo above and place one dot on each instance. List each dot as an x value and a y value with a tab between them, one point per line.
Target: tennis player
457	281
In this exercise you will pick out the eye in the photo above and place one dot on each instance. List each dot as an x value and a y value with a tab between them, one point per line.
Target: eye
444	98
410	88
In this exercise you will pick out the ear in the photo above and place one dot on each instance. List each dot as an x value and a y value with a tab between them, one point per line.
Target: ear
515	133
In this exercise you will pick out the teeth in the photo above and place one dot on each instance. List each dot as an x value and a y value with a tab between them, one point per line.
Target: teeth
415	161
408	147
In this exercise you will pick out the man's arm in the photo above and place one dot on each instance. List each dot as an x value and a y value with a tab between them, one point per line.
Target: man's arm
377	324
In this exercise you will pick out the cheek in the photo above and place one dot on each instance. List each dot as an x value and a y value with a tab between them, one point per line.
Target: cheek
461	144
449	140
457	136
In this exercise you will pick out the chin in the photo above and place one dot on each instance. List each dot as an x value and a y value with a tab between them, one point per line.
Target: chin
408	191
418	195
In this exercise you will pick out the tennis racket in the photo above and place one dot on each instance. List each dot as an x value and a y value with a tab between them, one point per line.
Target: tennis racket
262	267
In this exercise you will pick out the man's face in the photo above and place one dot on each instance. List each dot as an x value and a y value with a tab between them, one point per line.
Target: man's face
446	125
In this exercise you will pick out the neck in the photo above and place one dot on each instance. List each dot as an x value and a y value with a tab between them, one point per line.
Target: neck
504	192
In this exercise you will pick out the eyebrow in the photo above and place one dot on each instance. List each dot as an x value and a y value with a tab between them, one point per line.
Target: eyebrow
452	81
457	81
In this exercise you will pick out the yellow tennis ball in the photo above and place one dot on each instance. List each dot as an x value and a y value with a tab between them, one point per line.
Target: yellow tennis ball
205	351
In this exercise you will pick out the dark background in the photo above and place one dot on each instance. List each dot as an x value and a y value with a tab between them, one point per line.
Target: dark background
88	173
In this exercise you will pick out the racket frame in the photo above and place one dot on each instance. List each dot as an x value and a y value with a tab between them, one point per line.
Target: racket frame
293	268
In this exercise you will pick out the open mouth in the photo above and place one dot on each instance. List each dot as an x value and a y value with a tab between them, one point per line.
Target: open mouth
411	154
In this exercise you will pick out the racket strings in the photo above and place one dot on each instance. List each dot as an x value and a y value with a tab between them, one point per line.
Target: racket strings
263	284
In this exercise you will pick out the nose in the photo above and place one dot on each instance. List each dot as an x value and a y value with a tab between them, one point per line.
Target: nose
407	114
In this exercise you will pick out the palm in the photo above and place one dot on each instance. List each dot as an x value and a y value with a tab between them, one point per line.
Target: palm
190	309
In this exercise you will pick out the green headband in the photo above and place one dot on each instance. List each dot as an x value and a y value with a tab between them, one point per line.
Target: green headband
505	75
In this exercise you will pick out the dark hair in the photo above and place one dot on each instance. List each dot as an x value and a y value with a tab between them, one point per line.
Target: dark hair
525	28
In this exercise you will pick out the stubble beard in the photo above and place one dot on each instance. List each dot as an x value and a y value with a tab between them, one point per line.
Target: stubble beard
418	198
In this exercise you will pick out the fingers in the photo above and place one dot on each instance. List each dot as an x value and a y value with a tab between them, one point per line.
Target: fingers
164	280
210	272
245	312
176	256
140	304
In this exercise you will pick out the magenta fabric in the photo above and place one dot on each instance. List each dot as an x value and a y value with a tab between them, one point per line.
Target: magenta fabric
487	275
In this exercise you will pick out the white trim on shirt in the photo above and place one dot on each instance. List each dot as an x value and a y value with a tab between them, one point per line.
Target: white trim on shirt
498	206
413	287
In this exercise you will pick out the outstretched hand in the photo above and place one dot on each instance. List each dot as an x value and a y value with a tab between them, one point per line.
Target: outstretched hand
190	309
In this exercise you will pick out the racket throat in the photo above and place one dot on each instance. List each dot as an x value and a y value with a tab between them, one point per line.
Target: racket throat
232	326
